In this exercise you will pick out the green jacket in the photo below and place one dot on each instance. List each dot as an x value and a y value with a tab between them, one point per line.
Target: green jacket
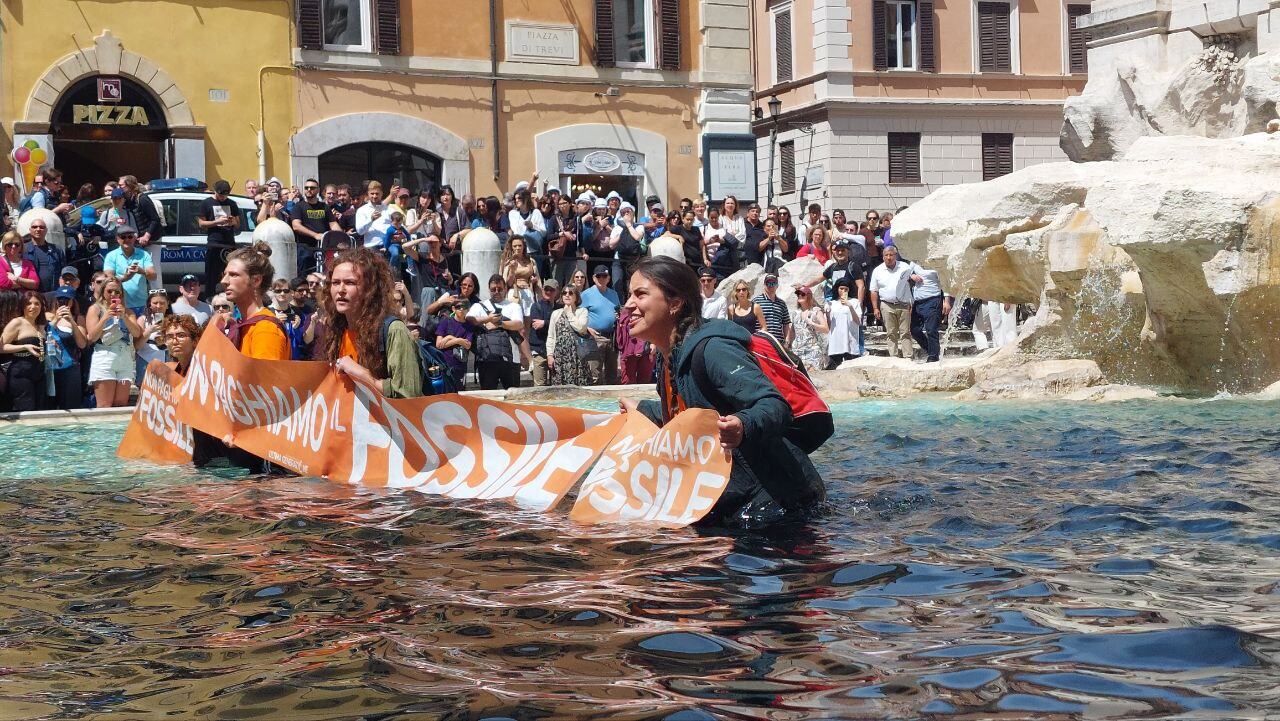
404	377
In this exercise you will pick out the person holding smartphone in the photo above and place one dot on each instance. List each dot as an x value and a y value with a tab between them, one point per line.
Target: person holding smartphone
112	329
133	267
220	219
844	323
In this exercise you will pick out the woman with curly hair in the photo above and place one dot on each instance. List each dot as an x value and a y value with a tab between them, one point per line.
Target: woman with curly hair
367	340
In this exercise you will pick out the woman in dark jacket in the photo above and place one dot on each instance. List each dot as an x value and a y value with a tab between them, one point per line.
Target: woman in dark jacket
772	478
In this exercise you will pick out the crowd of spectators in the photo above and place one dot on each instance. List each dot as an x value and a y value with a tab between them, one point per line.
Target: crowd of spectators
552	307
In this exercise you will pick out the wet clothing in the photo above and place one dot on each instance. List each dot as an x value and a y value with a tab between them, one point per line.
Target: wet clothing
771	477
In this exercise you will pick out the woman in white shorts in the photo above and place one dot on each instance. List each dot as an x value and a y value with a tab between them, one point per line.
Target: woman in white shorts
112	329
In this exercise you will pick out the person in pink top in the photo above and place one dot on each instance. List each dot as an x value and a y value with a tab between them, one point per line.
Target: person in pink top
16	273
819	245
635	357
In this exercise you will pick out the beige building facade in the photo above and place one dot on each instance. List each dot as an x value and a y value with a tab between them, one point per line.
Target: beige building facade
883	101
635	95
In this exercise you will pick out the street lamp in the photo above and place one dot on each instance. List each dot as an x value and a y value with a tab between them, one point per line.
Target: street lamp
775	107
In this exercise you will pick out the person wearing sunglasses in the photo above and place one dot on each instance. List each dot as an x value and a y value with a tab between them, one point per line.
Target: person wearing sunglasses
16	272
310	221
133	267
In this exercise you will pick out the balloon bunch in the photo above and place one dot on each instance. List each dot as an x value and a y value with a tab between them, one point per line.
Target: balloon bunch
29	156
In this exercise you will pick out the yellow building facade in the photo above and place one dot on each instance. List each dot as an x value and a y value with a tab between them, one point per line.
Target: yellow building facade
152	89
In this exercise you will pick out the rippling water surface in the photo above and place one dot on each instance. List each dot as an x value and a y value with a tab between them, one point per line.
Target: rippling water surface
975	561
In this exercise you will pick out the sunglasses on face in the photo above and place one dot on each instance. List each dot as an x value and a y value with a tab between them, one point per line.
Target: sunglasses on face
222	306
126	236
311	187
156	291
13	245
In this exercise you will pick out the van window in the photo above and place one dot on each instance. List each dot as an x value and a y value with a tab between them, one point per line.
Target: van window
169	211
188	217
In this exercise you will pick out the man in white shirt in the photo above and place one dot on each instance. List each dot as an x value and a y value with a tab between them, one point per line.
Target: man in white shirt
372	218
714	305
928	306
498	321
891	301
189	303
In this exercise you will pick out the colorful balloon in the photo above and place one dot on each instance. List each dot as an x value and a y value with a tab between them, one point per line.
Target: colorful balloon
21	155
38	156
31	145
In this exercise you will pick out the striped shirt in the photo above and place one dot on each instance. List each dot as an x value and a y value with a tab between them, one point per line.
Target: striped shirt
776	315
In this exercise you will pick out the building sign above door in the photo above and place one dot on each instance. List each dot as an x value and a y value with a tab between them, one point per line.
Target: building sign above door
599	161
128	104
540	43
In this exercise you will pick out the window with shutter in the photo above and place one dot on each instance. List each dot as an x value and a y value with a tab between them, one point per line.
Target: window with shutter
633	32
928	36
782	45
879	39
310	25
997	155
387	16
995	49
1077	38
904	157
669	34
787	161
900	34
347	25
605	56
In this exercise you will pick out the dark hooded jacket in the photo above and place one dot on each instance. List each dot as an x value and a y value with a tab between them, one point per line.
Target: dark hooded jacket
771	477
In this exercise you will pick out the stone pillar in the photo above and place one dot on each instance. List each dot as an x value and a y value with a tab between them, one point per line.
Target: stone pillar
284	249
481	251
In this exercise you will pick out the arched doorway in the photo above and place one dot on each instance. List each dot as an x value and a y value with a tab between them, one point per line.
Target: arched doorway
105	127
388	163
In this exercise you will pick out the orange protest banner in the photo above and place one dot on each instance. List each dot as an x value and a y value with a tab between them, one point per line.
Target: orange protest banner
154	432
308	419
671	475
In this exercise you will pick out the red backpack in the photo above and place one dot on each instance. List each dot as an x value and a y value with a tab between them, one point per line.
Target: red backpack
812	423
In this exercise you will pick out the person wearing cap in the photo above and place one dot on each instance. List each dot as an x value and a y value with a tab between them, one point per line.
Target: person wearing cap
602	306
545	302
219	217
613	201
629	239
85	253
47	258
70	278
132	266
714	305
777	316
115	215
597	242
845	271
65	345
189	303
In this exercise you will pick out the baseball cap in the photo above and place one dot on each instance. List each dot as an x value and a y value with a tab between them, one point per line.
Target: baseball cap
88	216
601	270
6	180
117	192
69	270
770	278
706	273
126	230
652	199
842	243
625	207
551	283
553	189
189	278
613	194
600	203
66	292
522	185
584	198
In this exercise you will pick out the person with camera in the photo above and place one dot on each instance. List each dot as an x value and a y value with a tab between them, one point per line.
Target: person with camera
112	327
220	219
499	339
133	267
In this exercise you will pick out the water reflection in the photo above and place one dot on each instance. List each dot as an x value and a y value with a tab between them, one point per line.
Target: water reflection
1041	560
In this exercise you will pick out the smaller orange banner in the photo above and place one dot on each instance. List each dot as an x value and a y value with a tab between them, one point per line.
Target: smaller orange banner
669	476
155	433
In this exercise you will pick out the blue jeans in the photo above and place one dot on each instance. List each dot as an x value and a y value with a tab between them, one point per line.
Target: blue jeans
394	254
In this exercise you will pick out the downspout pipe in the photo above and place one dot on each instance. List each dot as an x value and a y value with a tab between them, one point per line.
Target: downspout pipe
493	86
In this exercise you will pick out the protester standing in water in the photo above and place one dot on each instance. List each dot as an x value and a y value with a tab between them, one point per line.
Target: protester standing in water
772	479
258	334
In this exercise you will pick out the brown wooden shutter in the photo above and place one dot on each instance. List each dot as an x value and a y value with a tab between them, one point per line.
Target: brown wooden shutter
994	39
904	157
606	56
782	45
997	155
669	34
310	25
386	18
879	40
787	157
1077	38
928	36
